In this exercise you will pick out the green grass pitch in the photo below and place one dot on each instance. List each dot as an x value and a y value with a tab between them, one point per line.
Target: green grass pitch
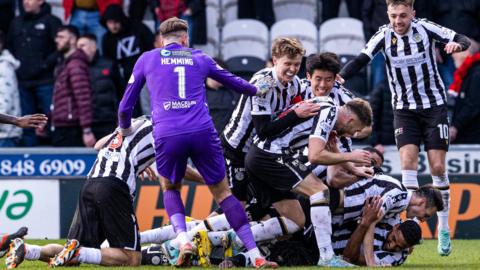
465	255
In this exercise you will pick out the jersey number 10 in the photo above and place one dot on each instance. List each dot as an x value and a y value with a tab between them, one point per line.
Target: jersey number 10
181	81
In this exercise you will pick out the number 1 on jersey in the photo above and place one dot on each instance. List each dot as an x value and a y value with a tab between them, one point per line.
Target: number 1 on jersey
181	81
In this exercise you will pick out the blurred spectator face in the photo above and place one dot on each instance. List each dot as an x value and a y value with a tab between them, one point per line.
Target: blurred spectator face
286	68
32	6
64	41
321	81
88	46
114	26
400	17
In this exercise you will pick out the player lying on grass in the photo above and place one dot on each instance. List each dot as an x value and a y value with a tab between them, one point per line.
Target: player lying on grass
105	209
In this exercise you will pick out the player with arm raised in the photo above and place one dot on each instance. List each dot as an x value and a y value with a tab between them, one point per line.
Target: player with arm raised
175	75
418	94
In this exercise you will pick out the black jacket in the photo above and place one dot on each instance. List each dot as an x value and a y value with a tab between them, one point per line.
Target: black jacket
462	16
380	100
31	39
221	103
126	46
105	78
374	14
467	108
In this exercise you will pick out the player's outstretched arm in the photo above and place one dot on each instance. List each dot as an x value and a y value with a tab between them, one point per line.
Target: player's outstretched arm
354	66
459	44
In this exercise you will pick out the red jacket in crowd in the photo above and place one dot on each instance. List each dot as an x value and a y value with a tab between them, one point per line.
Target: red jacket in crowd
68	5
72	94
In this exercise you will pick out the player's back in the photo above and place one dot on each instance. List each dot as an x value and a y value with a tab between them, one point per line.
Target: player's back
175	77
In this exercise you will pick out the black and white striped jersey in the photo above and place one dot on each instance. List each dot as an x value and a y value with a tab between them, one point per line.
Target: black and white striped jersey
341	233
125	157
412	71
239	131
295	138
394	194
383	257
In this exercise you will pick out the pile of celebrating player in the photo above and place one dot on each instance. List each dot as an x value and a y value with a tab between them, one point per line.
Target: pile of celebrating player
289	186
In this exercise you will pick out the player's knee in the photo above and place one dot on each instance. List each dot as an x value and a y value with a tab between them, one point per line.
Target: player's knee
437	168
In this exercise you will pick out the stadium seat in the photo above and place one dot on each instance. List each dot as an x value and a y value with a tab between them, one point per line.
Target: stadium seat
301	29
229	9
245	37
288	9
343	36
245	66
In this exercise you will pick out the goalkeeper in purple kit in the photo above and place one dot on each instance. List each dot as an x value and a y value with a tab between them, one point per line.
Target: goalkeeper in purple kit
175	76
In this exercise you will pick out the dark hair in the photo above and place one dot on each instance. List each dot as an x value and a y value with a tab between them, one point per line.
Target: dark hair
283	253
433	196
172	25
408	3
323	61
89	36
362	109
412	232
374	151
69	28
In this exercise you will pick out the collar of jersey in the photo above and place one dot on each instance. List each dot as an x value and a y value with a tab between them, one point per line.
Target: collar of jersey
279	84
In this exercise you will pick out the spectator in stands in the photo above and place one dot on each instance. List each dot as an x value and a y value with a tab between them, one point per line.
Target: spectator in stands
7	13
374	15
463	17
380	100
72	99
105	81
330	9
464	126
86	14
31	41
10	99
258	10
221	101
124	42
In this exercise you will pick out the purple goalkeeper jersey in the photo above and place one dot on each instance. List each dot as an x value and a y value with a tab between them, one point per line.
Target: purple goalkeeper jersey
175	77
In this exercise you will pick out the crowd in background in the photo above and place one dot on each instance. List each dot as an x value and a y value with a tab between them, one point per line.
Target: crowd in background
76	73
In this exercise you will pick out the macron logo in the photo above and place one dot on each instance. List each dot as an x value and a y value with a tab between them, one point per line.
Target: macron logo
167	105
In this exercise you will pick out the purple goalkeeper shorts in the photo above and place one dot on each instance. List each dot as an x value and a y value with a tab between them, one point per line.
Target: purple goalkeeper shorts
203	147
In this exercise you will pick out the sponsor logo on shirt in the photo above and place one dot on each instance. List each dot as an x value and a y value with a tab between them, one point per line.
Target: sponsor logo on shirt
165	52
407	61
178	105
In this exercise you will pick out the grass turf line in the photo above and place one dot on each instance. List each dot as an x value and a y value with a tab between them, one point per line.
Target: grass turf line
465	255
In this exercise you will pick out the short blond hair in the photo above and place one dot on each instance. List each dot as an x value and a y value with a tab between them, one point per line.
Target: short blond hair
291	47
408	3
173	25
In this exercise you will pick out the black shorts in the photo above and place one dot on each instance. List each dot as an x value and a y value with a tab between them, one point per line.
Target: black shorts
236	173
275	175
429	126
105	211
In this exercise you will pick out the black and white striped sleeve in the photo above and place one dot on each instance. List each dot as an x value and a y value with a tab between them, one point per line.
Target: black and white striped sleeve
394	202
437	32
376	43
324	123
386	258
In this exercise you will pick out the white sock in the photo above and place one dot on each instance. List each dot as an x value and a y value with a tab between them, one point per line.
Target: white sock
214	224
216	238
162	234
90	255
443	184
253	254
181	239
273	228
409	179
33	252
322	224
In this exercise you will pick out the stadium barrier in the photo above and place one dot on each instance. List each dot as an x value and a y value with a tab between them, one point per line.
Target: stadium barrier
39	188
